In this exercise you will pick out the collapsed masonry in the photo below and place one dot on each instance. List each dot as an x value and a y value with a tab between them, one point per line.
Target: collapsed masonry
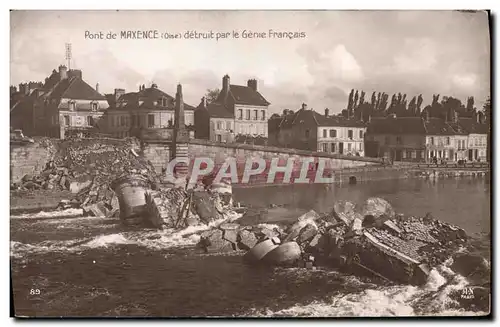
373	239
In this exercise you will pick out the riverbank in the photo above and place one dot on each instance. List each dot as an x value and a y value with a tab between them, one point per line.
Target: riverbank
91	266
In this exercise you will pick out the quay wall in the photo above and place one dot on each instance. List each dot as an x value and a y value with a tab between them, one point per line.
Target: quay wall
29	158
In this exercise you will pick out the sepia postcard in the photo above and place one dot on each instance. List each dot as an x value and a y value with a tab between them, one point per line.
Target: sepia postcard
242	164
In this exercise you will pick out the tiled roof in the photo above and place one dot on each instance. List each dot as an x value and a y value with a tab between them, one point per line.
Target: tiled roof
472	126
419	126
148	99
399	125
437	126
217	110
75	88
313	118
246	95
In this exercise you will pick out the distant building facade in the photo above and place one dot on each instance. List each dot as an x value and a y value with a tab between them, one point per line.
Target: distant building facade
214	122
426	139
148	110
309	130
64	105
239	112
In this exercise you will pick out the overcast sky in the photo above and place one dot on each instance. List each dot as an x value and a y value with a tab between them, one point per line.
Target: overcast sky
409	52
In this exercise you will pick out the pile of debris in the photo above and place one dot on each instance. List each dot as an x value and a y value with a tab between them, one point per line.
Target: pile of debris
87	168
374	238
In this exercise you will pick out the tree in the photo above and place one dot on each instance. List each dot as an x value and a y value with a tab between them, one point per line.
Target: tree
356	96
211	95
362	98
350	102
487	116
374	100
470	104
419	102
412	106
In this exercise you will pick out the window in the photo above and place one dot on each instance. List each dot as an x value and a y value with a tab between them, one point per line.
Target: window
219	125
151	120
325	147
349	134
263	112
432	140
240	114
94	106
333	133
306	133
90	121
408	154
228	126
332	147
387	140
72	105
324	133
476	143
361	134
399	140
66	120
447	140
255	115
348	146
122	120
219	138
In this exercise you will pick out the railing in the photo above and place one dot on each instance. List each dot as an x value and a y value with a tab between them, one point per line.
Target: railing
452	165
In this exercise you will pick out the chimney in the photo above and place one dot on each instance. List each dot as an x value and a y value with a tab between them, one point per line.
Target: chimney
119	93
252	83
179	110
63	72
97	87
304	106
225	87
327	112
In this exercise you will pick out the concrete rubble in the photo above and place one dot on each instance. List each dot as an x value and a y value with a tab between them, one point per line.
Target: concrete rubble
371	239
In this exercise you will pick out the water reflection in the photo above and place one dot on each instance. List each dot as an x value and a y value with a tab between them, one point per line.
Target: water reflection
465	202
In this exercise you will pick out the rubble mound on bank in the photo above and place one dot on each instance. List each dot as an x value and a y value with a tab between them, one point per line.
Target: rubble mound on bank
87	167
373	239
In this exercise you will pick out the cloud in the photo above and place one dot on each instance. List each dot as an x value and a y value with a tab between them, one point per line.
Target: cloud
419	55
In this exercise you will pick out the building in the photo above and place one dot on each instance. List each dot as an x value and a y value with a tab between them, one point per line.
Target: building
309	130
214	122
148	110
65	104
425	139
247	105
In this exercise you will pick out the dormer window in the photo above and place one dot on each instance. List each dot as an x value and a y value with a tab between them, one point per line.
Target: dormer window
94	106
72	105
162	101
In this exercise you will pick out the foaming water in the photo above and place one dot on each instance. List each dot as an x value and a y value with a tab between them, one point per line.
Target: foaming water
50	214
91	266
432	299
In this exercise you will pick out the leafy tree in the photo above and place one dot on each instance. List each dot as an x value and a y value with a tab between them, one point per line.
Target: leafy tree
356	97
211	95
412	106
470	104
374	100
362	98
350	102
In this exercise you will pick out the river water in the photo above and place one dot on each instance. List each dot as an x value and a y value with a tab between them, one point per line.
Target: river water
95	267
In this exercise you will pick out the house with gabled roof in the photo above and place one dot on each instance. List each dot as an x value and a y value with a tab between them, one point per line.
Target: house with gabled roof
425	139
149	109
214	121
309	130
65	104
247	105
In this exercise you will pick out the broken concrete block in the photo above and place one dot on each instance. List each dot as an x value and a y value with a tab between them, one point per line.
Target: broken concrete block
231	235
286	254
378	207
307	233
96	210
247	240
